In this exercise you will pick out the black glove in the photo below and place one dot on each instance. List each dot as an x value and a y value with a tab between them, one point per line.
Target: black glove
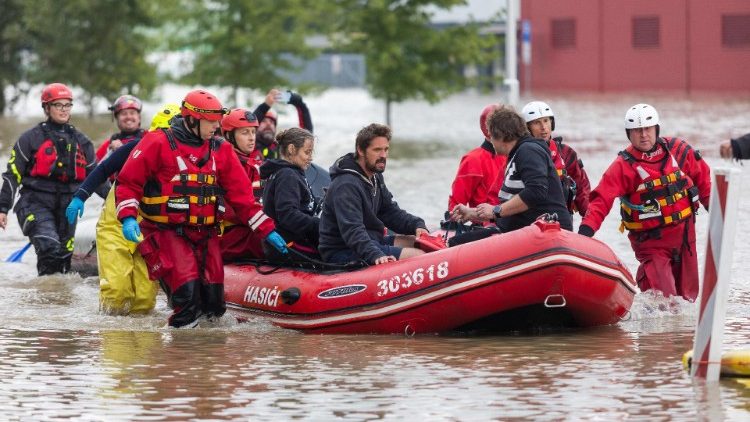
586	230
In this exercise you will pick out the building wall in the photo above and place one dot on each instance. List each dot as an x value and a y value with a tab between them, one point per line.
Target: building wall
679	45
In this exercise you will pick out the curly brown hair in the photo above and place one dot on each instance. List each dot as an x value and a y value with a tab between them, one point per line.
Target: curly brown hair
506	125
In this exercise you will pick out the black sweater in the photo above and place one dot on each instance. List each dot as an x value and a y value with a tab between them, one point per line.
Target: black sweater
531	175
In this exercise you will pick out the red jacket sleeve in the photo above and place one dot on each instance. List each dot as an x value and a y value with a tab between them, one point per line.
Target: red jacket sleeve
468	179
618	180
142	165
101	152
239	194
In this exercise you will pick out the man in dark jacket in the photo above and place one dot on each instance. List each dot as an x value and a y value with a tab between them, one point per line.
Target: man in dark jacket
359	207
531	186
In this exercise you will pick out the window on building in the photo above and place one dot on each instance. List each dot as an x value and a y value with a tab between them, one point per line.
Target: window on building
645	32
735	30
563	33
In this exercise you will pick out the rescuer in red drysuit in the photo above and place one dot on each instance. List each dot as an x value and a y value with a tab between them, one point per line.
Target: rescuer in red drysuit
660	182
238	240
178	179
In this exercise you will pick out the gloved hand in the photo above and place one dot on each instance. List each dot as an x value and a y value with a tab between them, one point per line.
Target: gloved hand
74	210
586	230
274	239
131	230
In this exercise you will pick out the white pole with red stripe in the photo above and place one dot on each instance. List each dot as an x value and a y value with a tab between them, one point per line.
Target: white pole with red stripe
709	332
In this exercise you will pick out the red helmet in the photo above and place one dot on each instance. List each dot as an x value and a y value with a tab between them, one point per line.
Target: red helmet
483	118
202	105
125	102
56	91
237	118
270	114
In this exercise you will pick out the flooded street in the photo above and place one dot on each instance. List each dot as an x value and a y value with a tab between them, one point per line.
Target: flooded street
61	359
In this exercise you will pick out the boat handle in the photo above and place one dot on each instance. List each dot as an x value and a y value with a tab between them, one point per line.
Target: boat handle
409	331
557	304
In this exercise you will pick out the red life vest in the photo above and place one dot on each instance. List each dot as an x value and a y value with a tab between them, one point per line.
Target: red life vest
192	197
251	163
664	197
569	187
59	158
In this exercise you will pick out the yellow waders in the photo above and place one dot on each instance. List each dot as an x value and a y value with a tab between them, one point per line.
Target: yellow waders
124	286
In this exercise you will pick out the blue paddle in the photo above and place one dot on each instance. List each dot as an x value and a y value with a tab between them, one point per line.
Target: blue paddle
17	255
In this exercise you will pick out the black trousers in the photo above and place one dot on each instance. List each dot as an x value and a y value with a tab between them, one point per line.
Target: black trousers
42	218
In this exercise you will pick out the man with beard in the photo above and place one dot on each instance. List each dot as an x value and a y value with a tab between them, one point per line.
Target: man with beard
126	111
358	207
266	146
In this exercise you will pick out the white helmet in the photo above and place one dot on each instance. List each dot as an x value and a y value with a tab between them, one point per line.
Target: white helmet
641	115
536	110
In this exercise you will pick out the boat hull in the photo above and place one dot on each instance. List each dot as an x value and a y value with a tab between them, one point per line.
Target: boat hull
575	280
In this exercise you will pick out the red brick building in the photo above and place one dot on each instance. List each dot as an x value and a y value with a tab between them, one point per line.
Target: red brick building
638	45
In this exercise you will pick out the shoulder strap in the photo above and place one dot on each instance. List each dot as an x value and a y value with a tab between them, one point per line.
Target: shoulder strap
627	156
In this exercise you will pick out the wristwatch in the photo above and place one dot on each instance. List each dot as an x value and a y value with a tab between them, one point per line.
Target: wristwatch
497	211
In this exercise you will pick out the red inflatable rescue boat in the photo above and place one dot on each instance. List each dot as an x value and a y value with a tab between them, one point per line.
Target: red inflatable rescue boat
530	278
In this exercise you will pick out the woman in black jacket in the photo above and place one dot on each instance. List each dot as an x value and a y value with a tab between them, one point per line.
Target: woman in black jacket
287	197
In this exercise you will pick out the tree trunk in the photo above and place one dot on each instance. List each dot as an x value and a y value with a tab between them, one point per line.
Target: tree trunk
90	105
388	112
2	100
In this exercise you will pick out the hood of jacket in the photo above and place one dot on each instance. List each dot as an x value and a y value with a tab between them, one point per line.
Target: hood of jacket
272	165
183	134
347	164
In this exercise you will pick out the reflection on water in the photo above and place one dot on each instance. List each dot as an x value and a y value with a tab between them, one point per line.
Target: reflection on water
606	374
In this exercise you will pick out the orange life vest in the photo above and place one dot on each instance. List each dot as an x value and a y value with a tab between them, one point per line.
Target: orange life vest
664	197
192	197
59	158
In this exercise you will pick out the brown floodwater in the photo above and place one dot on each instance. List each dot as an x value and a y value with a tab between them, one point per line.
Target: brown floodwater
61	359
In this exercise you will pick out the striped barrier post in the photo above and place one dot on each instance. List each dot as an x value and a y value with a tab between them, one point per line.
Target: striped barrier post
709	332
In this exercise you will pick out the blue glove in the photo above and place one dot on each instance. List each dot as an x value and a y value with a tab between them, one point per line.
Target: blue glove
74	210
274	239
131	230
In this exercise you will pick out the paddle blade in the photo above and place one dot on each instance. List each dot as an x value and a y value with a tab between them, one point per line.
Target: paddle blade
17	255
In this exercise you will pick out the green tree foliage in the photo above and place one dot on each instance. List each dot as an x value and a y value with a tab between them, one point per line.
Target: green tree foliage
244	44
98	45
11	47
407	57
